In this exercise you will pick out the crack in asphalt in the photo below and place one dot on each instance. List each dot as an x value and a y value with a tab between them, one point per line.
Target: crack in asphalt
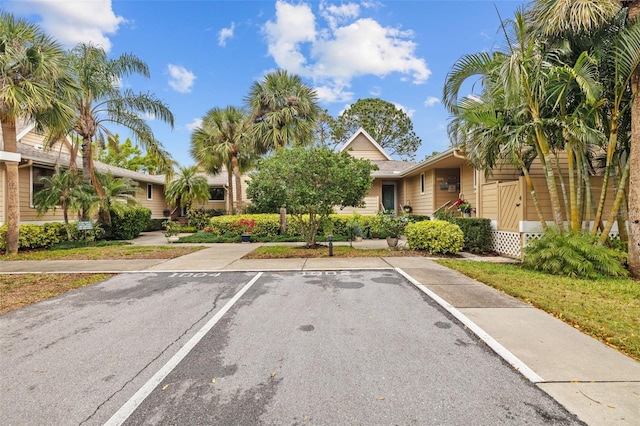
206	314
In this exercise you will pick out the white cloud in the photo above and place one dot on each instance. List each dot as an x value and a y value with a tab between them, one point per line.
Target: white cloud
294	24
74	22
180	79
431	101
346	48
376	91
331	94
335	14
225	34
197	122
406	110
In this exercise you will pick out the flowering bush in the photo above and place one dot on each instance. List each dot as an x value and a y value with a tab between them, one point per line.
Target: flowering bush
243	226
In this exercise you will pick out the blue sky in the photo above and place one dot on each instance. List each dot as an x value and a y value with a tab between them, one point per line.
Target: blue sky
207	53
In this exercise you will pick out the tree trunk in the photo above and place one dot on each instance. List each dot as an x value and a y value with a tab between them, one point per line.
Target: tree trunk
634	160
86	160
236	173
617	204
611	148
229	191
13	192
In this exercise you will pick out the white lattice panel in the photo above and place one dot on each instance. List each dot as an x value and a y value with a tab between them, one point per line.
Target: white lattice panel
506	243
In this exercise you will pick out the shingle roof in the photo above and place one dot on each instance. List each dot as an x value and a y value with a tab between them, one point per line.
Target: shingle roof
390	168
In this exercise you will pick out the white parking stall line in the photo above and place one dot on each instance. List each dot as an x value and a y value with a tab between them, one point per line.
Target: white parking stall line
130	406
500	350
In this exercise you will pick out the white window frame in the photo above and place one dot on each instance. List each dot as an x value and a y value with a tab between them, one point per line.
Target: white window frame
423	183
149	191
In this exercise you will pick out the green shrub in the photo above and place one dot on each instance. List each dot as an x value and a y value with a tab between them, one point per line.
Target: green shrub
154	225
128	224
573	254
265	224
34	236
477	233
416	217
199	218
435	236
268	225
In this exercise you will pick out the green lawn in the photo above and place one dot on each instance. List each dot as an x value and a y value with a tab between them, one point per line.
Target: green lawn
607	309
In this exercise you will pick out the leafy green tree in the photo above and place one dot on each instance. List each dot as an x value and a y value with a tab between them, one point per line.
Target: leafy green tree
103	101
35	84
283	111
223	138
322	131
309	183
128	156
187	187
388	125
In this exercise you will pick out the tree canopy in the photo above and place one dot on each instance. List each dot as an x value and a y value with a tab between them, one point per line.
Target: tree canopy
283	111
309	183
128	156
388	125
35	84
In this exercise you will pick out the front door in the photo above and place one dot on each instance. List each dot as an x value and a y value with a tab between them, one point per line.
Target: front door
389	197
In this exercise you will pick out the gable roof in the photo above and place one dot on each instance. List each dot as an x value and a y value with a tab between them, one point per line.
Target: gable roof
450	158
375	144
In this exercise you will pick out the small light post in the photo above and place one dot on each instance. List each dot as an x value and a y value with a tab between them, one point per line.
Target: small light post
330	245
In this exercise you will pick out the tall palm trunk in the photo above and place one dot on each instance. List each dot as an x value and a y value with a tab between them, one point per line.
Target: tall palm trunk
229	190
534	195
611	149
617	203
236	173
634	160
546	158
13	192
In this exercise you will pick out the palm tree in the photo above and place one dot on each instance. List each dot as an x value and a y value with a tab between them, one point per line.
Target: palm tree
34	85
558	18
118	195
518	76
634	160
187	187
102	101
212	163
63	189
223	136
283	111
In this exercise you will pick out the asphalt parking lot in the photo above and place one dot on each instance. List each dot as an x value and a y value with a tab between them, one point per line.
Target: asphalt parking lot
300	347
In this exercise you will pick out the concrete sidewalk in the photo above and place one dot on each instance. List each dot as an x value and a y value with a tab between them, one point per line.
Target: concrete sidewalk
597	383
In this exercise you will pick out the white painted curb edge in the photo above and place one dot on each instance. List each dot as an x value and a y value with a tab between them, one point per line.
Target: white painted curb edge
503	352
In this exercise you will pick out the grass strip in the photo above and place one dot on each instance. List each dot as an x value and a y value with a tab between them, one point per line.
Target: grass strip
24	289
606	309
297	251
115	252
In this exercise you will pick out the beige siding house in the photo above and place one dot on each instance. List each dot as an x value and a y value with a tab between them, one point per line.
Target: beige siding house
36	162
437	183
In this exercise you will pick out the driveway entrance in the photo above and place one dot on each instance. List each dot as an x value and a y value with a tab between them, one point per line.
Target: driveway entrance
304	347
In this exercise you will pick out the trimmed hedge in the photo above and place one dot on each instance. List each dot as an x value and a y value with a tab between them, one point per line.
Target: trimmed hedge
435	236
154	225
477	233
129	224
268	225
36	236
